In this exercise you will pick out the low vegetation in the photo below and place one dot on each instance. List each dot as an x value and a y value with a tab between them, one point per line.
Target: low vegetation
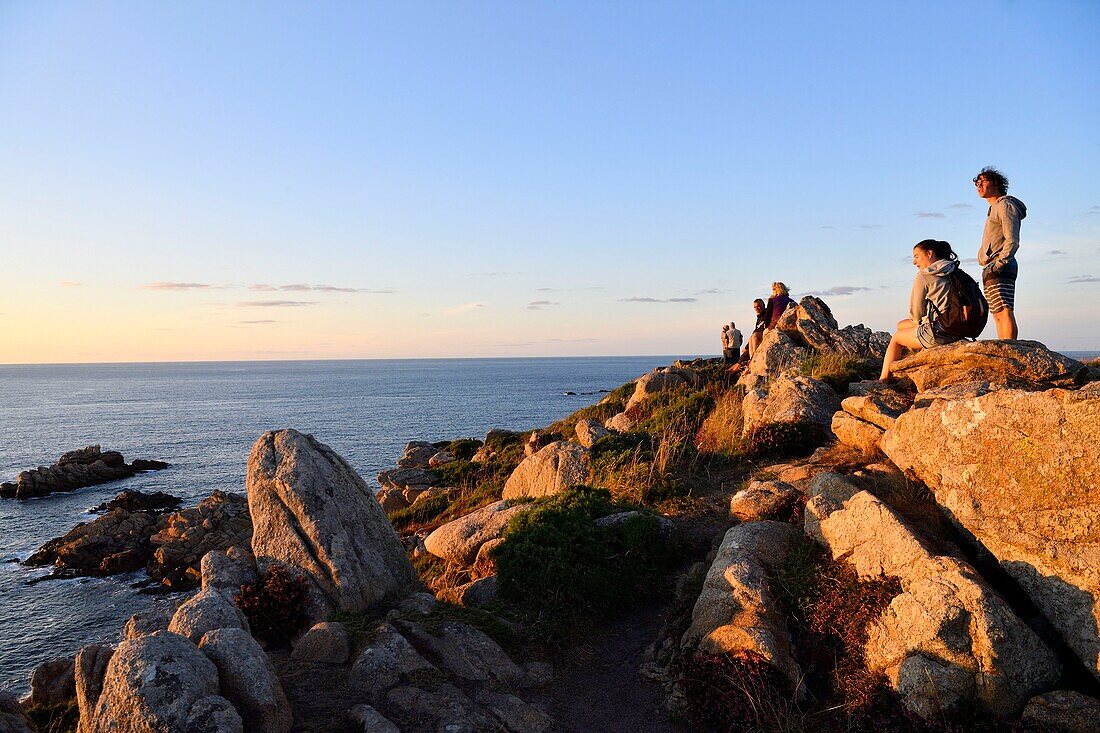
275	605
839	371
555	559
62	718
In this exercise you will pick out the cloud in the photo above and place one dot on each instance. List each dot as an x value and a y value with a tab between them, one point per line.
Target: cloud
303	288
250	323
637	299
1057	252
837	290
538	305
568	341
1093	210
826	226
69	283
464	308
961	206
710	291
175	286
1084	279
871	226
930	215
275	303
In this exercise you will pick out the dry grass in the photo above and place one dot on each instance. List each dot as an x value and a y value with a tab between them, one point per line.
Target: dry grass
721	431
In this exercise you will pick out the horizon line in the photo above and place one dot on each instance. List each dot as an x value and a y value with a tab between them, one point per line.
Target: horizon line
355	358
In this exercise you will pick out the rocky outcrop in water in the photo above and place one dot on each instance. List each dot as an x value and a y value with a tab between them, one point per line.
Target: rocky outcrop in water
313	513
75	470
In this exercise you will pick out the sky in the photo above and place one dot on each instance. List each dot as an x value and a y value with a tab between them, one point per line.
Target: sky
293	180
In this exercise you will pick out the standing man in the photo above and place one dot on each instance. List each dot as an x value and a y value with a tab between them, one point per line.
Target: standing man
736	339
997	255
727	351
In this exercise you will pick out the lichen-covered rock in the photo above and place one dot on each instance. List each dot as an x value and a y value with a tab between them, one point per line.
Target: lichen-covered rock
661	380
220	521
417	454
478	592
777	354
206	611
1063	711
226	571
880	408
790	399
156	684
589	431
737	609
52	683
554	468
1017	470
147	623
248	680
89	670
313	513
620	423
403	478
947	642
464	652
325	643
1013	363
827	492
459	540
385	661
12	717
811	322
859	434
762	500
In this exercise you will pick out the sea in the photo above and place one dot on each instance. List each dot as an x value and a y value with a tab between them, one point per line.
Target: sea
202	418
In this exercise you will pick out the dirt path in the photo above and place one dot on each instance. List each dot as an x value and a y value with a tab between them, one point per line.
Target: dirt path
598	687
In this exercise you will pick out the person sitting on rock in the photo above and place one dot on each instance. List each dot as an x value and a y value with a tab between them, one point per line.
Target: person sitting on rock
934	261
777	304
757	334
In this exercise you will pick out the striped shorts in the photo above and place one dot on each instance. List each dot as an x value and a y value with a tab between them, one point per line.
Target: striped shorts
1000	287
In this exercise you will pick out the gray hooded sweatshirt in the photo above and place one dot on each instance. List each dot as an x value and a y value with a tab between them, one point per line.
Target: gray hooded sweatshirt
929	296
1001	236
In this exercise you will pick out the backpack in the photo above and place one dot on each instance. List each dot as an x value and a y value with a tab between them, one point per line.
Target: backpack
966	311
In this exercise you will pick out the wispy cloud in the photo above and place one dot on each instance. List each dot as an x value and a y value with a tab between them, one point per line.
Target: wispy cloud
275	303
930	215
255	323
642	299
1057	253
837	290
961	206
710	291
538	305
1084	279
826	226
568	341
69	283
303	288
464	308
871	226
176	286
1093	210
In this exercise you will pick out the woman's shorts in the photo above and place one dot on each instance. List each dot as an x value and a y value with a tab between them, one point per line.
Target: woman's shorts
929	338
1000	287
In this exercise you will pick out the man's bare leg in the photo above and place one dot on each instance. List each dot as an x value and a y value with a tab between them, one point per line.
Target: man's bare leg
1006	324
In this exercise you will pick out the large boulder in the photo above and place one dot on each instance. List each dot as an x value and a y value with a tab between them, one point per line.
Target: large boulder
226	571
388	659
248	680
880	408
1013	363
157	684
589	431
1017	470
554	468
790	399
90	669
417	454
465	652
947	642
327	642
762	500
1063	711
812	323
856	433
460	540
52	683
205	611
777	354
662	380
313	513
738	610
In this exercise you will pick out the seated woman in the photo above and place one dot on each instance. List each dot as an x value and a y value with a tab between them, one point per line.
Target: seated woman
777	304
934	261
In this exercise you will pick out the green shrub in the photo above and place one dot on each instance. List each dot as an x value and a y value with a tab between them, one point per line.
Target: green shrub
838	371
60	718
463	448
678	410
275	605
784	439
420	512
554	557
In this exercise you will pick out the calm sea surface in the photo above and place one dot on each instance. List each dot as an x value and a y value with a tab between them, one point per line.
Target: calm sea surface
203	419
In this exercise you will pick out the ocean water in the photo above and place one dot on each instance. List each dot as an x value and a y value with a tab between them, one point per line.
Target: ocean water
203	419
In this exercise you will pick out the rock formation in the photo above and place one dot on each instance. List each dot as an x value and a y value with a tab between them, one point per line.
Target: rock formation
1017	470
75	470
790	399
1012	363
314	514
459	540
554	468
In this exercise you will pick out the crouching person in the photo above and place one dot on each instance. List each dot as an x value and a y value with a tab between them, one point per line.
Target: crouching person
935	261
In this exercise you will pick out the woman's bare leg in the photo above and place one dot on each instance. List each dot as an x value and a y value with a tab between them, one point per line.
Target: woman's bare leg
906	336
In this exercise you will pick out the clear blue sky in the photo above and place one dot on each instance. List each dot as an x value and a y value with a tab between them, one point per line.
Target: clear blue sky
210	180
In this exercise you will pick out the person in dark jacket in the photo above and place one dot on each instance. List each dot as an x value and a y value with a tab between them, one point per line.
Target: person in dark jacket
777	304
